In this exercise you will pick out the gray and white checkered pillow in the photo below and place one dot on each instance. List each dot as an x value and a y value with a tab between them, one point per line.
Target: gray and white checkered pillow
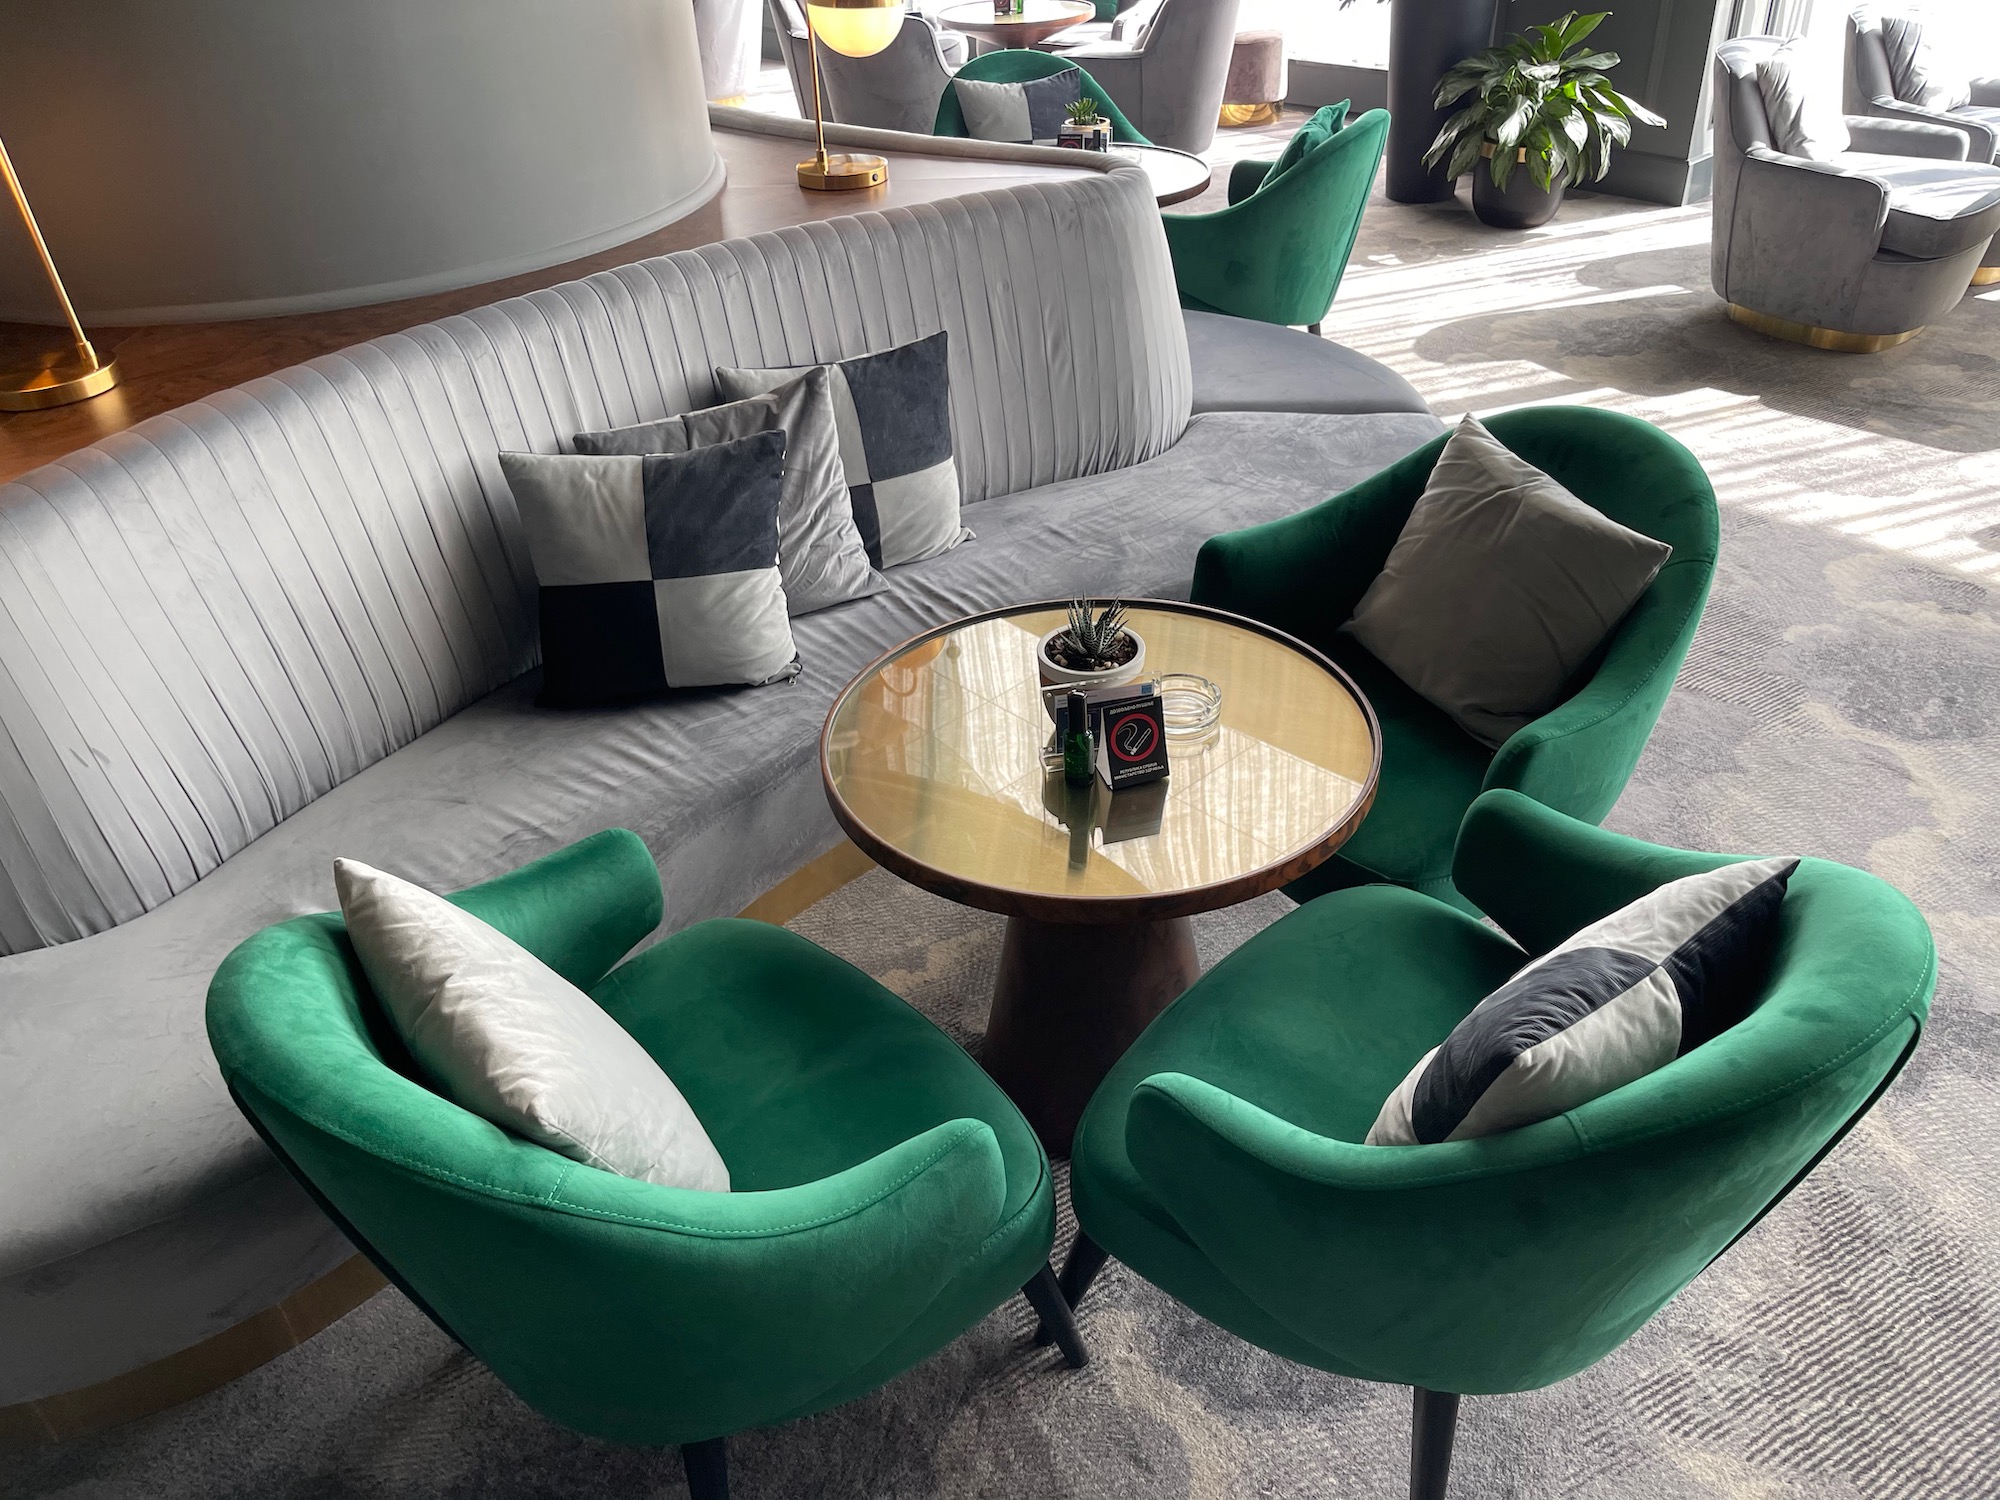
820	554
893	411
1027	113
1626	995
656	571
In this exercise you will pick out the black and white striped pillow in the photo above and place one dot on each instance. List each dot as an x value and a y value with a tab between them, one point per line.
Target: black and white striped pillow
1626	995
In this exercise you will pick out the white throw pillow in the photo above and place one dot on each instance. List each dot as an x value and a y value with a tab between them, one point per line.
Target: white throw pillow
1626	995
506	1037
1805	121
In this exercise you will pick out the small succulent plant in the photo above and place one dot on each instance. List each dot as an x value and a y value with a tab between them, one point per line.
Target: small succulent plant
1082	112
1097	638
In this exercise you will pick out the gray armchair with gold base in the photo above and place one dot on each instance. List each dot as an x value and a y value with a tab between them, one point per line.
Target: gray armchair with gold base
1854	253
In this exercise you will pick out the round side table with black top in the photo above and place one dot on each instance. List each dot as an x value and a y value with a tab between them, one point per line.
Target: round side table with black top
932	760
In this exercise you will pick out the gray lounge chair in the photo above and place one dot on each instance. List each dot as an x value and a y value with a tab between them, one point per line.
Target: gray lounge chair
1168	70
1857	252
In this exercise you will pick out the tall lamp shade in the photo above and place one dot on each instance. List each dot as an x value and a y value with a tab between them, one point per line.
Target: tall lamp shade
68	375
855	28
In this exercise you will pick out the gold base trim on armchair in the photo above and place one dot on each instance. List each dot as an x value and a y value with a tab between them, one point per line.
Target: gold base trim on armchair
222	1357
1819	338
1986	276
196	1370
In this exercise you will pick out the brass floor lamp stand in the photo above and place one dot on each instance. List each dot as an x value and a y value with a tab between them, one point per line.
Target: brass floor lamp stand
843	171
67	375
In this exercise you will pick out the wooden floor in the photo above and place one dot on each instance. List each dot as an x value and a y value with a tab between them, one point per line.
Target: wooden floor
163	366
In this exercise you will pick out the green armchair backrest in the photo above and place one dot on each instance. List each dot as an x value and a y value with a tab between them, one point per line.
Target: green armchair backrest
1019	65
1305	573
1278	251
630	1311
1509	1262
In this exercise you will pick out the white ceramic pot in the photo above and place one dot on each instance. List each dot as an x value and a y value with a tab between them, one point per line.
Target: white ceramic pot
1054	675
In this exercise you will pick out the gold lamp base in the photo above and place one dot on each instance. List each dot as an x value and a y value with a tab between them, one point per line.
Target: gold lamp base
1819	338
69	376
1986	276
843	171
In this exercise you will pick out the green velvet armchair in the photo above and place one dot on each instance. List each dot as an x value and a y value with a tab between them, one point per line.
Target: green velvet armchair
887	1194
1305	573
1222	1158
1018	65
1278	251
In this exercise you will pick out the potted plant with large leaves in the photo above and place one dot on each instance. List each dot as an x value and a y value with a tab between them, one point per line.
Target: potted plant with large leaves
1539	114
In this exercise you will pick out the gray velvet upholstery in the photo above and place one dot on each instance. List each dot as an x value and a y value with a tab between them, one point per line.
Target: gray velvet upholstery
296	620
897	88
1871	90
1863	244
1241	364
1169	81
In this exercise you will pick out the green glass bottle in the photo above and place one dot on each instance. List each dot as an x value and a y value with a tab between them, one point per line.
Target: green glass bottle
1079	755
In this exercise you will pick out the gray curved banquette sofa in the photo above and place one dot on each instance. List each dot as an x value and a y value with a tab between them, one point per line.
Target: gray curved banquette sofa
297	620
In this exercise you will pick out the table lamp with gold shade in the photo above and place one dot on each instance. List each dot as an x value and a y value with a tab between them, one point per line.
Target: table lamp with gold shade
71	374
856	28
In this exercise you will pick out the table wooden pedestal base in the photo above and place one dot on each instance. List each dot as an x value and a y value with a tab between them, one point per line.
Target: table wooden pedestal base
1070	999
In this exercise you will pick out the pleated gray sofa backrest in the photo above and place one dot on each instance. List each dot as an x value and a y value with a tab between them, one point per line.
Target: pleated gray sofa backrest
215	617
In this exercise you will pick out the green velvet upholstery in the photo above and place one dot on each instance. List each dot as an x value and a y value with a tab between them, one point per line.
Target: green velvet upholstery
1305	573
1278	251
1018	65
887	1194
1222	1157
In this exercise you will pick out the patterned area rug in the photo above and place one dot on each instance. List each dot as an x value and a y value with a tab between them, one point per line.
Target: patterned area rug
1842	699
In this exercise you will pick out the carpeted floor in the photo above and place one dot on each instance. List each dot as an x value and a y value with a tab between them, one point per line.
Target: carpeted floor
1842	699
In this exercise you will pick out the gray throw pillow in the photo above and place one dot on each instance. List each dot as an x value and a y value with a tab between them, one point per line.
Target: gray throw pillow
1629	994
656	572
820	555
893	412
506	1037
1500	587
1021	113
1805	121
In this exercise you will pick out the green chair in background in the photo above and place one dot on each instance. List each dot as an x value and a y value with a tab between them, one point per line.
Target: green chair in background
888	1195
1222	1158
1017	65
1305	573
1277	253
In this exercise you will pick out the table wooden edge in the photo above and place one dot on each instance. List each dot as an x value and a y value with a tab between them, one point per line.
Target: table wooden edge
1152	906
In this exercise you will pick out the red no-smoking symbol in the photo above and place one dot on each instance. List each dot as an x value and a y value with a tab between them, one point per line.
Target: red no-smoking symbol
1132	737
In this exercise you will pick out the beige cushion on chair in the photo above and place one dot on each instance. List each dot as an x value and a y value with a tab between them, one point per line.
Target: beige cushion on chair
503	1035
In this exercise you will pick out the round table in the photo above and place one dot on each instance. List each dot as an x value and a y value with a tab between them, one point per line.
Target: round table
932	759
1177	175
1037	21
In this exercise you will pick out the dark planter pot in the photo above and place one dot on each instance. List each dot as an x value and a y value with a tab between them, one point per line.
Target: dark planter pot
1427	38
1521	204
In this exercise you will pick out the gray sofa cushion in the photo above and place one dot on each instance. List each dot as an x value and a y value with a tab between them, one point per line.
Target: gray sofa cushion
1803	122
1240	364
819	550
1936	208
155	1152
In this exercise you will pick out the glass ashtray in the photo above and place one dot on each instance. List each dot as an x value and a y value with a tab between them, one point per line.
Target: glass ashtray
1191	705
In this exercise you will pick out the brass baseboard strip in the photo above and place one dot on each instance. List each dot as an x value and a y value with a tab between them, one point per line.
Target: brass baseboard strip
1819	338
1986	276
194	1371
221	1358
808	883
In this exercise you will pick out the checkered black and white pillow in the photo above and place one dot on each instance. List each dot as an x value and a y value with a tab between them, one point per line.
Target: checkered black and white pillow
893	410
820	555
1626	995
656	571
